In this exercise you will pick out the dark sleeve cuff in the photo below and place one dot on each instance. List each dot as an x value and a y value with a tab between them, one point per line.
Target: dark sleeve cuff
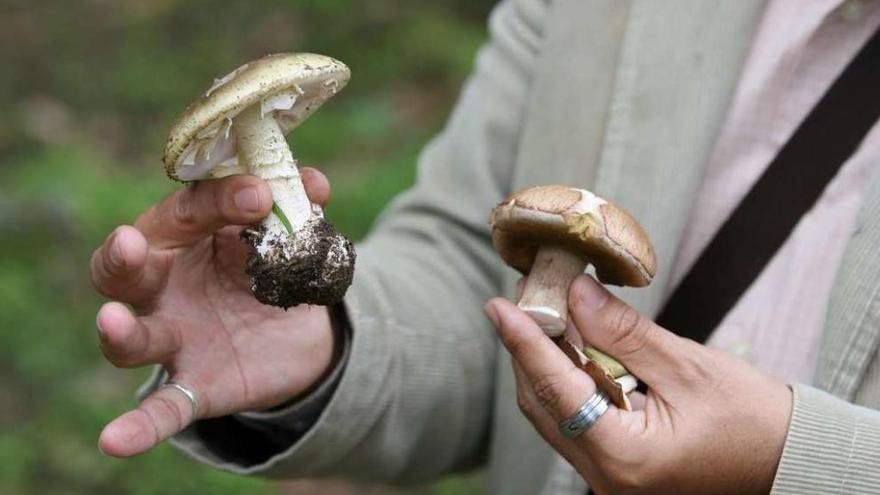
252	437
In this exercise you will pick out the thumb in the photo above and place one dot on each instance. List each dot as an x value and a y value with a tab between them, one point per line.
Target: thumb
649	351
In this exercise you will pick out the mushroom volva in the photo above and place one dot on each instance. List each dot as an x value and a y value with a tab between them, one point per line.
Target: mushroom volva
237	127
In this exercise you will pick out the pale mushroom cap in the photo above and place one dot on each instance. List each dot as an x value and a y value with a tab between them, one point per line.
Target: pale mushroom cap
290	85
602	233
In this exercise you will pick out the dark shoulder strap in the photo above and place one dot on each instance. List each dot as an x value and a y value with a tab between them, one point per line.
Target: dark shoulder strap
789	187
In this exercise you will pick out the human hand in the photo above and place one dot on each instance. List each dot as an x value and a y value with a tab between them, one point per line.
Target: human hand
181	267
708	424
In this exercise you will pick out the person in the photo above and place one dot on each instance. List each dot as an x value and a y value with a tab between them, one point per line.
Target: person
671	109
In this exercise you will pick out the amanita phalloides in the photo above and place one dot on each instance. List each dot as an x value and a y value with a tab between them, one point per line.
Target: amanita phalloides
238	126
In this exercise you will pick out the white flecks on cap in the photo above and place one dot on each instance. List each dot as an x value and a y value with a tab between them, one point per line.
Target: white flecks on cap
589	202
225	79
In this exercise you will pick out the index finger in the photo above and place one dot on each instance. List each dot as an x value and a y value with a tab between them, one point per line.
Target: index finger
556	385
560	387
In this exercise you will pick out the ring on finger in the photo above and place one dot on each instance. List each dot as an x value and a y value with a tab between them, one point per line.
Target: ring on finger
586	416
188	393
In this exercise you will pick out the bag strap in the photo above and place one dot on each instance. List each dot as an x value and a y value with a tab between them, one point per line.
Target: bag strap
788	189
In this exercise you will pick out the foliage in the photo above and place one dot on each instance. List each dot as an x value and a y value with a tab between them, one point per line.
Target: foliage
89	89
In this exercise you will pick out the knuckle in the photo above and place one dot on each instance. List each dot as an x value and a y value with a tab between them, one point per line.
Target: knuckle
121	354
150	216
105	262
118	359
96	272
164	336
173	411
183	210
519	347
700	365
548	392
628	331
524	403
221	199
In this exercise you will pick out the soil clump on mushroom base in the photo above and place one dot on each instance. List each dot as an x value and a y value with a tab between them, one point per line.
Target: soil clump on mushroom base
314	267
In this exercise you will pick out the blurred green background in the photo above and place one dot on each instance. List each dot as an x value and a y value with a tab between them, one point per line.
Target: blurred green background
89	89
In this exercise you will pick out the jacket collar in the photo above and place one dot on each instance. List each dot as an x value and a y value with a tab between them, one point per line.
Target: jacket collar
636	121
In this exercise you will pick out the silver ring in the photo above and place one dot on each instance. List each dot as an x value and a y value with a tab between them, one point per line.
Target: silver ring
193	400
586	416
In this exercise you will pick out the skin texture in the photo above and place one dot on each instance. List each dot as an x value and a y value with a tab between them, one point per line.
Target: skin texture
710	424
181	268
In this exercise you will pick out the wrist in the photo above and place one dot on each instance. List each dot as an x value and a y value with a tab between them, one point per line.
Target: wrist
336	322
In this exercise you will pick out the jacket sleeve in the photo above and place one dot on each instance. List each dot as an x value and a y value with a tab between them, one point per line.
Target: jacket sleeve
833	446
414	400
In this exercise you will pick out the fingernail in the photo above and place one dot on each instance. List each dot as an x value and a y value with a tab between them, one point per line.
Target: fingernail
492	314
115	253
590	294
101	334
248	200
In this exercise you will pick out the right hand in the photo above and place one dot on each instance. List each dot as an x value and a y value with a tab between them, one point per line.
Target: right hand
181	268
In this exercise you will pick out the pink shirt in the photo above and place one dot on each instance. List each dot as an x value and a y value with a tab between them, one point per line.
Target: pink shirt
799	49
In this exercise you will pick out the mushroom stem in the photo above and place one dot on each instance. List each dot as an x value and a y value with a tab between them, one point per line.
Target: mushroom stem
545	300
545	296
263	149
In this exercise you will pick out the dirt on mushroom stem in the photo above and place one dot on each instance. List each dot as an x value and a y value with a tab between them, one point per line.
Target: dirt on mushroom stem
313	266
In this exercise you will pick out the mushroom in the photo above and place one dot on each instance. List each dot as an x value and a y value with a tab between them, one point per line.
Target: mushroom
551	233
238	126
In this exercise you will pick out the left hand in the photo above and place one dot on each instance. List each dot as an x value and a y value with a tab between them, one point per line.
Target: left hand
709	423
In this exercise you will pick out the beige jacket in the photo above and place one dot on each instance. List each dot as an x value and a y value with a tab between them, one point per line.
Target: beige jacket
623	97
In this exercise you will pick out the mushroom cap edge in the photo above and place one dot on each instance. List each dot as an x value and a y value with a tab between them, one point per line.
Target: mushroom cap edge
249	84
604	234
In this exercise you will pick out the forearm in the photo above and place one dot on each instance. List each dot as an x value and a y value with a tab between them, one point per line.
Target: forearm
415	397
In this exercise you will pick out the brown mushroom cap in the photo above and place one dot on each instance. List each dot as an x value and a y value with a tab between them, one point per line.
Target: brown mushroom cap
602	233
289	85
